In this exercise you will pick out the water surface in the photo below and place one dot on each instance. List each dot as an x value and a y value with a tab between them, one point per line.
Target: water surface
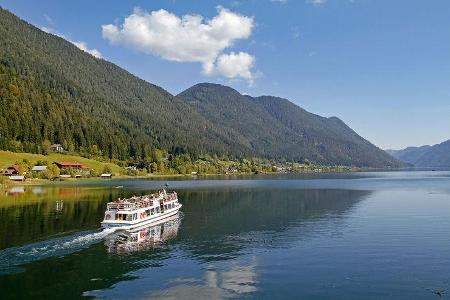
318	236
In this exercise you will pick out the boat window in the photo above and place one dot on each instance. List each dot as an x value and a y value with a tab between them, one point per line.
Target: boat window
135	216
152	211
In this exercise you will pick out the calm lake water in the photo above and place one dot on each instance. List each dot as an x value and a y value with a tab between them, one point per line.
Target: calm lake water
339	236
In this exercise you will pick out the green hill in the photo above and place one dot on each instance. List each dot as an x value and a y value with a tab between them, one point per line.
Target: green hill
276	128
51	91
8	158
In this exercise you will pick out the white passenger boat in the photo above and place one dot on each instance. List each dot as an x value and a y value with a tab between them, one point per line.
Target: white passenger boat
138	211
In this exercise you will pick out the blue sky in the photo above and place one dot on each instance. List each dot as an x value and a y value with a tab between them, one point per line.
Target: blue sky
381	66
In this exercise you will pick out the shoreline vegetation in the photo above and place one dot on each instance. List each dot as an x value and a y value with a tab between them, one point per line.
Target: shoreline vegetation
159	164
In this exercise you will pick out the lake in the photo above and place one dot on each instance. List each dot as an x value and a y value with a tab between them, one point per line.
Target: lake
371	235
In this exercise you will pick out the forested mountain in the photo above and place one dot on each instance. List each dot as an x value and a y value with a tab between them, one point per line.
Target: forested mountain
51	91
276	127
425	156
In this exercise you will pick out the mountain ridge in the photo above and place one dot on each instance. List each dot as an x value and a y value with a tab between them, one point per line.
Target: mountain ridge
52	91
437	155
293	130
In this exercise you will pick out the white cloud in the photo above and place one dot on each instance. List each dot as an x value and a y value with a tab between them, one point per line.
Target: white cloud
188	38
49	30
80	44
49	20
235	65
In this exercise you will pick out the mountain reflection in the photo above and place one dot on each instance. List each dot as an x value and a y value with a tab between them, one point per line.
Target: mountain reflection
218	224
213	252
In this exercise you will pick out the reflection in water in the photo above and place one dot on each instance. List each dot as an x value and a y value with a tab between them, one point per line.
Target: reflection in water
222	231
343	238
43	212
235	280
145	238
116	241
59	206
214	251
16	190
224	222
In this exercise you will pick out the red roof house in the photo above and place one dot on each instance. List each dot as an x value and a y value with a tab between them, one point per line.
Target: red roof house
10	171
63	165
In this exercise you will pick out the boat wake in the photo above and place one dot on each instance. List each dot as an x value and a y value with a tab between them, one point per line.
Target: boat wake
12	258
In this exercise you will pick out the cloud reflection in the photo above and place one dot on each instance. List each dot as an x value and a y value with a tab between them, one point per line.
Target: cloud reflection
235	280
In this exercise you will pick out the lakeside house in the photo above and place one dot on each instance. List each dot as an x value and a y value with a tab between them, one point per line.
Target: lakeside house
57	148
65	165
11	171
17	178
231	169
38	169
106	176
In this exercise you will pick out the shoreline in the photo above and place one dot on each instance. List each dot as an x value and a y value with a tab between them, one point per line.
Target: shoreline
45	182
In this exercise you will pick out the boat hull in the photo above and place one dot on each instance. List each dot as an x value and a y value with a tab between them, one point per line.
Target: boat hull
139	223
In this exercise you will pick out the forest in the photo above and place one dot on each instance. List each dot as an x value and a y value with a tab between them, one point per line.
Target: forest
53	92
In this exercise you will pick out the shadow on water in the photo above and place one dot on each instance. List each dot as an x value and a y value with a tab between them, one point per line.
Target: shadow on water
219	224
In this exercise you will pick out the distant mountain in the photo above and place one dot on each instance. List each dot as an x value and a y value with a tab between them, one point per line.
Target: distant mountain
51	91
275	127
409	155
425	156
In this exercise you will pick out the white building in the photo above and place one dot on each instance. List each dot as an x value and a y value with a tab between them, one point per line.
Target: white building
37	169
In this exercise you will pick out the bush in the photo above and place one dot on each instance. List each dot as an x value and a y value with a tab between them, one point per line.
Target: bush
106	169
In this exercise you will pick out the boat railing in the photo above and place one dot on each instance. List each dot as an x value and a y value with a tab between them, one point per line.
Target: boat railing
170	197
124	205
134	203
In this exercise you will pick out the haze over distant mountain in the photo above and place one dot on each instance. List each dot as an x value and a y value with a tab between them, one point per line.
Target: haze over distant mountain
51	90
425	156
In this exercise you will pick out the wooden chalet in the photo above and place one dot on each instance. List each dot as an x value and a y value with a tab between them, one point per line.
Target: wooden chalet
65	165
11	171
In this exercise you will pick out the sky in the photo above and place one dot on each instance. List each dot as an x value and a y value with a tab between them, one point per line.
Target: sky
382	66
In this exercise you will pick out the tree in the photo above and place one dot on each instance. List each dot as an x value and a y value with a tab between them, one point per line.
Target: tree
51	172
106	169
46	147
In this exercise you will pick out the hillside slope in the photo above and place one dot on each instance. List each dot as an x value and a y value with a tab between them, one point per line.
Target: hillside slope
275	127
51	91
